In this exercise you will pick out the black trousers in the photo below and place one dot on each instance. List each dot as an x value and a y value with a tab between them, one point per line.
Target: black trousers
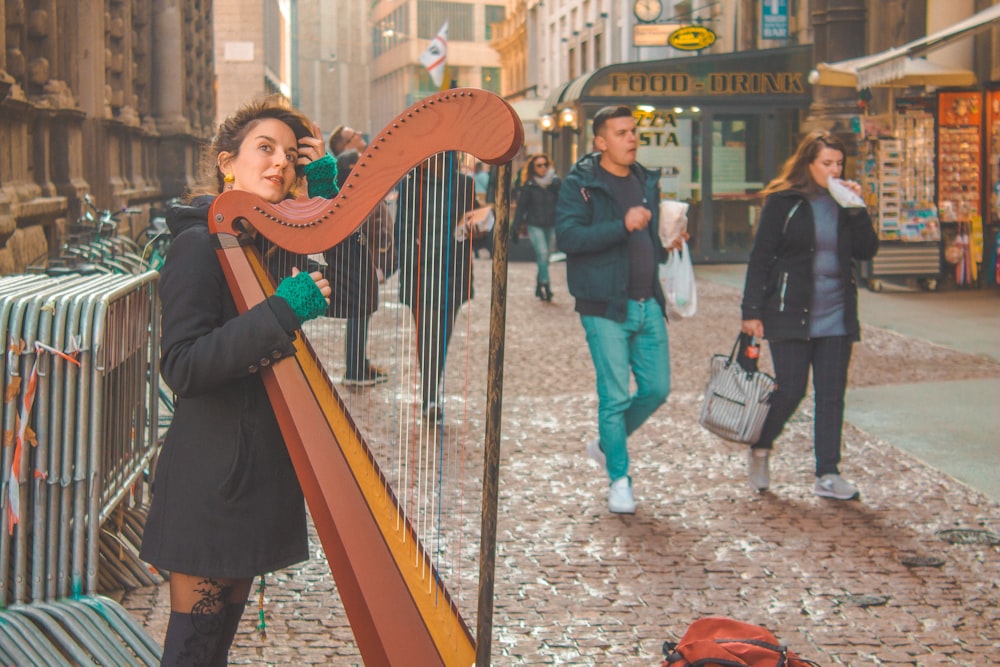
829	358
434	329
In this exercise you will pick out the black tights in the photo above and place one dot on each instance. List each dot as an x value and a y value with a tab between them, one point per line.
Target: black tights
204	617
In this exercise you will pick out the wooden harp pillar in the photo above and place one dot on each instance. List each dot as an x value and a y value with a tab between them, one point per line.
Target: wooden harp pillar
399	609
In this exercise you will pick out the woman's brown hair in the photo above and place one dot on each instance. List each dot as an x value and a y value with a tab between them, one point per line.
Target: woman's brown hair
233	130
794	173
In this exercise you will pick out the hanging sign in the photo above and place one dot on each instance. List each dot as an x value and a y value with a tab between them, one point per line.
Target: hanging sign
774	19
691	38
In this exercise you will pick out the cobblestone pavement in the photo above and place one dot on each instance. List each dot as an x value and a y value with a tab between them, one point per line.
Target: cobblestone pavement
579	586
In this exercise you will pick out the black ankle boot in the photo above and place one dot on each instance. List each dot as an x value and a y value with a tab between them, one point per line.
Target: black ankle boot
538	291
546	292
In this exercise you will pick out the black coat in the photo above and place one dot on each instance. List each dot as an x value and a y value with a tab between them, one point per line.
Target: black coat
225	498
435	269
779	282
536	205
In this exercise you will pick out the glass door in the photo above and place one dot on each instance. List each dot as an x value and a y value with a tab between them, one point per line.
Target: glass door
738	170
744	152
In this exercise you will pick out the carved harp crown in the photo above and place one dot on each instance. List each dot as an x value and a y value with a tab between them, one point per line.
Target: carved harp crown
394	597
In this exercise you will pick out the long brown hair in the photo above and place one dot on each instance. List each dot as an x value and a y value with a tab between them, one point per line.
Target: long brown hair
794	173
234	129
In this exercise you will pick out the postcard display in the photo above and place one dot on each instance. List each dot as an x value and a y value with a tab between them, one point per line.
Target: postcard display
898	178
960	163
991	265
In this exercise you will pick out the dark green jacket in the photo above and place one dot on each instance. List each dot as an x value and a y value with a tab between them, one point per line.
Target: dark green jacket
590	229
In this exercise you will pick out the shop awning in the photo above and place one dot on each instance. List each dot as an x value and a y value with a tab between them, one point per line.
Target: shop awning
914	72
890	65
903	66
554	97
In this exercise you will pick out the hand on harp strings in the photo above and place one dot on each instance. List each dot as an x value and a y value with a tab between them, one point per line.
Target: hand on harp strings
384	434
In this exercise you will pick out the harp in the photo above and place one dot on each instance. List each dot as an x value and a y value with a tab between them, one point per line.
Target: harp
392	586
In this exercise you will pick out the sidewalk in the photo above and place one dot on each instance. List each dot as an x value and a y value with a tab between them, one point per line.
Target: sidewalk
952	422
576	585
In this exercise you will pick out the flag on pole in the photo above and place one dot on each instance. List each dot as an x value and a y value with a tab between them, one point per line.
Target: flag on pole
436	54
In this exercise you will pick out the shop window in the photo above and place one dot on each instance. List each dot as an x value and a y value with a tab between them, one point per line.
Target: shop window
737	177
669	142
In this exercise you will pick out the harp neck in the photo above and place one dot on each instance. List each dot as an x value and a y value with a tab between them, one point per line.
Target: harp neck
468	120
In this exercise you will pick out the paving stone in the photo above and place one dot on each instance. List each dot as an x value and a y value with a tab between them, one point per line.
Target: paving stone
577	586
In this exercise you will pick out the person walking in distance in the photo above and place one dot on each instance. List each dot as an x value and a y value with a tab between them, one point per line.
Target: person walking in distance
355	264
606	223
801	295
435	263
226	502
536	211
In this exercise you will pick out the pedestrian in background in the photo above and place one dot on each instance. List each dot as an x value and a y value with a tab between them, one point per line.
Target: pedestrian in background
536	212
484	197
606	223
802	296
353	269
226	502
435	263
345	138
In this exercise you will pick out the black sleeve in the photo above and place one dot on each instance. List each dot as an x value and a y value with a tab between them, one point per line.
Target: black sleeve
201	350
762	258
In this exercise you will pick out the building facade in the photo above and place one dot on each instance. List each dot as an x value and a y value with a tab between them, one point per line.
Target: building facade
401	30
331	57
106	97
253	51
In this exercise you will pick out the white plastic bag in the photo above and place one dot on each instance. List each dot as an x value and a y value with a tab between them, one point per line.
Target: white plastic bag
677	280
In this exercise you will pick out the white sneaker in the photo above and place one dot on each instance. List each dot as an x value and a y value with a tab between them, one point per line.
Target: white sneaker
620	500
595	452
758	469
836	487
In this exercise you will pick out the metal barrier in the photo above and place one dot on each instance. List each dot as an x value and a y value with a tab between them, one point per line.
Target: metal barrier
80	418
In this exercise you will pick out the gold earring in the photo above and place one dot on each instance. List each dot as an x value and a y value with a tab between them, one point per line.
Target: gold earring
229	179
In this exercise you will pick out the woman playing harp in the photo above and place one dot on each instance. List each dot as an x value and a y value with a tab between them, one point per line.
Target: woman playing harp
226	503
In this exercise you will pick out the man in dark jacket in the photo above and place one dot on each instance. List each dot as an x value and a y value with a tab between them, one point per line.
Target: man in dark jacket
606	223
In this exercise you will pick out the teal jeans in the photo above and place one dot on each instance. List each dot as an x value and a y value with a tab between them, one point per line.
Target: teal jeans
543	239
638	346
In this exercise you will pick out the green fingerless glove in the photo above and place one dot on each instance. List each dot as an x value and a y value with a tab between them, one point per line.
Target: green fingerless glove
322	177
302	294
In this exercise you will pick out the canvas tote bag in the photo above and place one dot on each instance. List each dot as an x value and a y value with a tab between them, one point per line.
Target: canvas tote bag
738	396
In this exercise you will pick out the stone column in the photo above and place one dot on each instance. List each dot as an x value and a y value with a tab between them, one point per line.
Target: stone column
839	29
168	68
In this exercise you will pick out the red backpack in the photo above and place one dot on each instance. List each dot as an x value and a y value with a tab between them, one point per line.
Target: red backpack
716	641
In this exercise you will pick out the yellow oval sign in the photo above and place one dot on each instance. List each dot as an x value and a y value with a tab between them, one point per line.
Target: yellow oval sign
691	38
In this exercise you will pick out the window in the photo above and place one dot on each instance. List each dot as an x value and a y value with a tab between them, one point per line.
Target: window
389	32
431	15
494	14
491	79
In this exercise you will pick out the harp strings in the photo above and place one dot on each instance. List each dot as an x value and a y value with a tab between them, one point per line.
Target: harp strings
420	421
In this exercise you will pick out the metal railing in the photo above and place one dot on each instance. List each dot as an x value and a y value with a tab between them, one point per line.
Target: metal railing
82	421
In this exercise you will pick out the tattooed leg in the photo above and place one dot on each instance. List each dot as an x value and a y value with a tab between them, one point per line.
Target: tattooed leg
198	625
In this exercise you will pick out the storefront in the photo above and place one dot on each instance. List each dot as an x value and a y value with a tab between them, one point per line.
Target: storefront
717	127
930	163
